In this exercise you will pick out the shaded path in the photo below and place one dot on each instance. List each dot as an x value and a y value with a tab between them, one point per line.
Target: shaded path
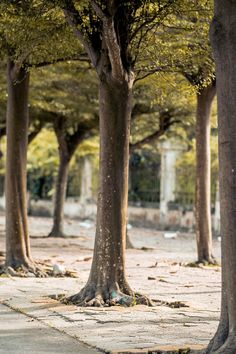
22	334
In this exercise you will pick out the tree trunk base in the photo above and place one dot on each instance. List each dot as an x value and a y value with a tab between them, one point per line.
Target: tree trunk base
203	263
24	269
218	340
229	346
209	261
57	233
129	244
107	295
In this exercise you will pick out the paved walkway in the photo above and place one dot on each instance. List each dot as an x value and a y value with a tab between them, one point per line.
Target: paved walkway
23	334
188	318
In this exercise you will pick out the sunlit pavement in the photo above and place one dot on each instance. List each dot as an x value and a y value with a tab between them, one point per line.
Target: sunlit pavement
191	296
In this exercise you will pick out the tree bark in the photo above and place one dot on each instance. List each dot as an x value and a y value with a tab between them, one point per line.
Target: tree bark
115	110
60	196
129	244
17	237
223	38
203	174
107	281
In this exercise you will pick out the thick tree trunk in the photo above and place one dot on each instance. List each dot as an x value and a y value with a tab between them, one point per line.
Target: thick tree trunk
108	268
107	281
60	197
17	238
223	36
203	174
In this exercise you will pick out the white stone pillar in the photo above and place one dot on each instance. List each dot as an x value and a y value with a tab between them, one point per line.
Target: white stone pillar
169	153
86	181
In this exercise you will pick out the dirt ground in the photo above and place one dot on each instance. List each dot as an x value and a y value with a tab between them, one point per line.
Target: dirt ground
187	298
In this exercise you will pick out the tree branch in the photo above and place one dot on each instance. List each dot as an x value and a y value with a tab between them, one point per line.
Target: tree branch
141	108
111	41
98	10
59	60
32	135
113	48
156	70
83	131
154	136
74	19
148	139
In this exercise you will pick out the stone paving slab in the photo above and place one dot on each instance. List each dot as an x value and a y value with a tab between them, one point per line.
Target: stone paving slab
156	271
24	335
114	329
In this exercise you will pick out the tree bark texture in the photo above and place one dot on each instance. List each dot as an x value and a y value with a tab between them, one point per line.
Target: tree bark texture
107	280
108	268
60	196
203	174
17	238
223	38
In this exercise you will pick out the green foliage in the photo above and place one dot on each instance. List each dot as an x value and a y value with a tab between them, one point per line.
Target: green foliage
43	162
32	32
43	154
68	89
164	94
183	44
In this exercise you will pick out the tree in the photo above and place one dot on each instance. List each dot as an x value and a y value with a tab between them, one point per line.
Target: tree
200	72
69	100
67	143
205	97
17	124
223	39
24	46
186	33
108	30
158	109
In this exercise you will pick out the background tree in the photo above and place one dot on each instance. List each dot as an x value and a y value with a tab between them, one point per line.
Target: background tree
69	94
67	144
187	34
200	72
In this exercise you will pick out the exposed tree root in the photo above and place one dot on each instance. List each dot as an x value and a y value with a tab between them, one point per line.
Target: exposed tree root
58	234
204	263
24	270
229	347
92	295
209	262
218	340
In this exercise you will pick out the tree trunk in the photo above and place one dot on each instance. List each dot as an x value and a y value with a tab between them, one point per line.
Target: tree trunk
17	238
129	244
203	174
223	37
107	281
60	196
